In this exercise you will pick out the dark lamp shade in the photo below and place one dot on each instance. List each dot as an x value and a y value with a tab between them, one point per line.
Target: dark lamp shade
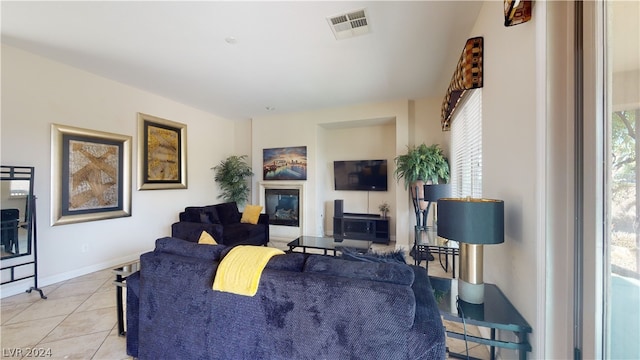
435	192
472	221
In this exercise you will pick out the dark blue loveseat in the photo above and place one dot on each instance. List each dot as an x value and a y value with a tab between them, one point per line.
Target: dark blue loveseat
306	307
222	221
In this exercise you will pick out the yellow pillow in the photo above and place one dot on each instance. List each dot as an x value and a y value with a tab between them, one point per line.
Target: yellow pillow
251	214
206	238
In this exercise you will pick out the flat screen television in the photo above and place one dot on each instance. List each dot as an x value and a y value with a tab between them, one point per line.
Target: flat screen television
360	175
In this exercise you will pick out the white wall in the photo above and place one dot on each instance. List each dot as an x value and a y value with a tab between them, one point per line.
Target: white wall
310	129
37	92
242	146
357	143
427	127
512	166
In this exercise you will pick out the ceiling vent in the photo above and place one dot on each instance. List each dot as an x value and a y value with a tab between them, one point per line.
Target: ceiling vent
350	24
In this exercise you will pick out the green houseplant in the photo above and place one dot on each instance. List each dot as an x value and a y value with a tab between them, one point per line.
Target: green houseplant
422	162
384	209
232	174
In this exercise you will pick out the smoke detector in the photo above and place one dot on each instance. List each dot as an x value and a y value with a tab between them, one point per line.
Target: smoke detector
350	24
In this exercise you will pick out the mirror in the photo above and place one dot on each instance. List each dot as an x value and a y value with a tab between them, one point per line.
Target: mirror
16	207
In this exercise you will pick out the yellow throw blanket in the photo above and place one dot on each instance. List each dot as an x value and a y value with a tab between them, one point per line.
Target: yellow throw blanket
240	270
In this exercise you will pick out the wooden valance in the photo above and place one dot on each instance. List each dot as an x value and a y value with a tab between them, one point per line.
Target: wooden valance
468	75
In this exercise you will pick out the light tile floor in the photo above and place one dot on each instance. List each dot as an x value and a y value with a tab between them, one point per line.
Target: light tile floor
78	320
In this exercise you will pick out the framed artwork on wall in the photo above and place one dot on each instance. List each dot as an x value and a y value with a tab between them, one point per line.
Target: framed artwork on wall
90	175
285	163
517	12
162	153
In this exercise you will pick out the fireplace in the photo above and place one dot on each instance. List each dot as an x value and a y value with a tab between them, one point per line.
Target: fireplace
283	206
283	201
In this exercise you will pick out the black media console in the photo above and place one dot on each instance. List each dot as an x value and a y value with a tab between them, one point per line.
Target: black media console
370	227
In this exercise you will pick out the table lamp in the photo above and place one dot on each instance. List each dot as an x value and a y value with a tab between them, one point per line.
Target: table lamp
433	193
473	223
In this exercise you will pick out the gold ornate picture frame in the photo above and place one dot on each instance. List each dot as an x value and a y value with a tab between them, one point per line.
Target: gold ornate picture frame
162	153
90	175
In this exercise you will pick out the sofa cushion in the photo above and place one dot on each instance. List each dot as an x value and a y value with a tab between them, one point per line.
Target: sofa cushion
212	213
370	256
242	231
206	238
191	231
201	214
204	218
228	213
191	214
384	272
181	247
251	214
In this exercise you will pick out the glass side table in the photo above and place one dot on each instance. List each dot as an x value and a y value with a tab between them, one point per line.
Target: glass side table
427	241
120	282
497	313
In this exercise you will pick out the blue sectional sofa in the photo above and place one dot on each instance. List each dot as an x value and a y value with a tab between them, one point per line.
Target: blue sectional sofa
306	307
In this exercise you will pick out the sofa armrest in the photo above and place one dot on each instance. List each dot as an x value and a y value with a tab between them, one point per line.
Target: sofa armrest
264	219
428	323
191	231
133	311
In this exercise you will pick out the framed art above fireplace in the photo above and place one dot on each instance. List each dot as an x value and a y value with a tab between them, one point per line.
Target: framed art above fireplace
285	163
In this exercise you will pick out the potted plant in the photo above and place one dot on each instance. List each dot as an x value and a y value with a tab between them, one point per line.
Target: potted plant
232	174
421	164
384	208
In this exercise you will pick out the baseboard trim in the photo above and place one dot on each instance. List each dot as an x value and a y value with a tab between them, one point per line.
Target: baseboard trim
22	286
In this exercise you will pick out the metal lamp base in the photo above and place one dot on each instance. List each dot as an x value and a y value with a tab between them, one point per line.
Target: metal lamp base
470	283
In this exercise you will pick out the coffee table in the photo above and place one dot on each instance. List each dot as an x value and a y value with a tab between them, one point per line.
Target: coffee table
327	244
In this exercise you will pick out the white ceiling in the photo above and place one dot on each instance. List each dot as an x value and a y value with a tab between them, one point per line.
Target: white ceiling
285	55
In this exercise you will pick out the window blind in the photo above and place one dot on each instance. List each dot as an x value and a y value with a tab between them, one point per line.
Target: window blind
466	147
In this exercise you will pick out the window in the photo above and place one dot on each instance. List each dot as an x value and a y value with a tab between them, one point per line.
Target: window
621	287
466	146
607	240
19	188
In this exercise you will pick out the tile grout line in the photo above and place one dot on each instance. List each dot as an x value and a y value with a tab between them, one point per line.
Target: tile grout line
65	318
104	341
75	311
